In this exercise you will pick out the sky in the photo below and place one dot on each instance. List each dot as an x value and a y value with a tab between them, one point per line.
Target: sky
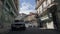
26	6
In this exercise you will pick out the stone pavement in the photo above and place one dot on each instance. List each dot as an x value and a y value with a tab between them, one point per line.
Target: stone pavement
35	31
5	28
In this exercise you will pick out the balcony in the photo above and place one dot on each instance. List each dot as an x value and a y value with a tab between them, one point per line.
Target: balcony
39	3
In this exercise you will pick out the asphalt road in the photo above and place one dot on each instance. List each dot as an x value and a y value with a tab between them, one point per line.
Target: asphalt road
34	31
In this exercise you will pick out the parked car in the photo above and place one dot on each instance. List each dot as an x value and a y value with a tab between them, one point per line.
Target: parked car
18	26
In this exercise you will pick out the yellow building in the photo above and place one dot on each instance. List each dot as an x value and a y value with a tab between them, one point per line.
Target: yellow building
31	18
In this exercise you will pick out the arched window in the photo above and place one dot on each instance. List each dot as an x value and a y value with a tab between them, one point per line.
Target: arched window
48	1
44	4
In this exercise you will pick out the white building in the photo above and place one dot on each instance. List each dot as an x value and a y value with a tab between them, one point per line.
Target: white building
42	10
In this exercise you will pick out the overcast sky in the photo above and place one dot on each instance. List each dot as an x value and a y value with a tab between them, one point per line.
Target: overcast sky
26	6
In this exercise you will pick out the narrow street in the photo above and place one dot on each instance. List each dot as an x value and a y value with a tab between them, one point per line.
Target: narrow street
30	16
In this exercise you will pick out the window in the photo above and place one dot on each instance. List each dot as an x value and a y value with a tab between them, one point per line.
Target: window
41	9
6	17
48	1
38	10
7	6
44	4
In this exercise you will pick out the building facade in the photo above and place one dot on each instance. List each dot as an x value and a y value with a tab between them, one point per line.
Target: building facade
9	10
48	10
31	19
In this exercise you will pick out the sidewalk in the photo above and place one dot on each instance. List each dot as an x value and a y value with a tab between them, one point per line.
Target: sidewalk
6	28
